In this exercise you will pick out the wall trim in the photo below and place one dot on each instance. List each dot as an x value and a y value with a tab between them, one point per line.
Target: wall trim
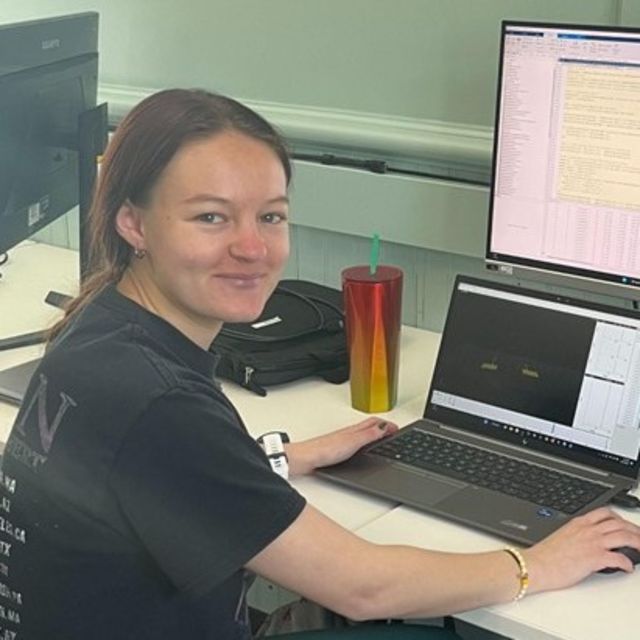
385	136
405	210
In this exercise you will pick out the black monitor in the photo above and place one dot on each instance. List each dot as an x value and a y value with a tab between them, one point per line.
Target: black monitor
565	192
48	78
50	132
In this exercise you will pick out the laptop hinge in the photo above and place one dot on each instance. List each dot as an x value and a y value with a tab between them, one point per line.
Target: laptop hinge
605	475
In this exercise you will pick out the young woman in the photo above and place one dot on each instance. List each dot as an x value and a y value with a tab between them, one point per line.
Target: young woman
137	502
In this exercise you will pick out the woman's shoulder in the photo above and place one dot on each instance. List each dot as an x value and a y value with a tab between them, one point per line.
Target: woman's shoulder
119	348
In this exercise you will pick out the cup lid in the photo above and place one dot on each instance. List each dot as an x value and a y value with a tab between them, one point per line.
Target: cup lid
362	273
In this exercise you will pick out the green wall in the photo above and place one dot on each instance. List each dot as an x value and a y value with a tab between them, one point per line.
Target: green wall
426	59
409	81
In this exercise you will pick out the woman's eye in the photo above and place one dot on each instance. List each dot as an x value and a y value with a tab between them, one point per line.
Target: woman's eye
274	218
211	218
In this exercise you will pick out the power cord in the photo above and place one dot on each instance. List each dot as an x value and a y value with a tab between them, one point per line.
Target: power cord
626	500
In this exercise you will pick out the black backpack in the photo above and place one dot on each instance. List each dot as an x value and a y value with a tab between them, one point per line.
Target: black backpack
299	334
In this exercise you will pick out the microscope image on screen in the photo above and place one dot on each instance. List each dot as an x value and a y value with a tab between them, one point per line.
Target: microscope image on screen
538	368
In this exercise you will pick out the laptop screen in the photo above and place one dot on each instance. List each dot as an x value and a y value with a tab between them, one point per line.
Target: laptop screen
543	371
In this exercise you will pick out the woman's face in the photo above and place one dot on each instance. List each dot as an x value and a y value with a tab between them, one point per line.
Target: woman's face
215	233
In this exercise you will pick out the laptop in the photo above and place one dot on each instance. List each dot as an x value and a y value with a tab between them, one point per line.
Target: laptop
14	381
532	417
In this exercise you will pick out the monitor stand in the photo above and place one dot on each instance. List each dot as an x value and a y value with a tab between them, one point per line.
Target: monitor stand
93	134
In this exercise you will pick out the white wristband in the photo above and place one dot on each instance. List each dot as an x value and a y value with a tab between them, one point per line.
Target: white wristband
273	445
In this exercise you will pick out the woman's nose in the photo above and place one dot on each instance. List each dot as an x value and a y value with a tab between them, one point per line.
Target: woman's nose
248	243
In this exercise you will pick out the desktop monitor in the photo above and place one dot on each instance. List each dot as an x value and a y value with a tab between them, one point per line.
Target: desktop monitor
48	78
50	133
565	189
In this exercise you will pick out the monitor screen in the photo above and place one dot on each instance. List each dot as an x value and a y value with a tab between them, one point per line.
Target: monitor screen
48	78
565	191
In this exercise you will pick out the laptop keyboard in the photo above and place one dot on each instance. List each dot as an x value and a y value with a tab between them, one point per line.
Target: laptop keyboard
490	470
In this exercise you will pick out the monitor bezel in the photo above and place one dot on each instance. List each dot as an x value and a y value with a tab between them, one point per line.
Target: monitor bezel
536	270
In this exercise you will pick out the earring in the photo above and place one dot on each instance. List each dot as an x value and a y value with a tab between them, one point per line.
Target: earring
139	253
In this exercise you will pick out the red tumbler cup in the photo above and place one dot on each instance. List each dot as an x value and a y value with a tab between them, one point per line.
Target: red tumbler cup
373	310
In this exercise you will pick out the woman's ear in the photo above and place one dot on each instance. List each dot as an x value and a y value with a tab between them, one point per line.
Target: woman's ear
130	226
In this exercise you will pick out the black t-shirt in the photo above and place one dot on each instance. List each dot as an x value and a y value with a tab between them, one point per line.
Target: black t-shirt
132	495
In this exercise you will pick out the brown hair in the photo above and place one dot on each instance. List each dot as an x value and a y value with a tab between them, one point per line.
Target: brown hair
142	146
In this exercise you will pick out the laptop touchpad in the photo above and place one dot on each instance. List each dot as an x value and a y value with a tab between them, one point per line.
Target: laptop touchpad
413	488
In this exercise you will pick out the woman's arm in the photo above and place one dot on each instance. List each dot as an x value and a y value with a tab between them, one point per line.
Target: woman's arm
320	560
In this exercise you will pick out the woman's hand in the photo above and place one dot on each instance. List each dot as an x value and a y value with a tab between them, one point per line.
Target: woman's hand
582	546
336	446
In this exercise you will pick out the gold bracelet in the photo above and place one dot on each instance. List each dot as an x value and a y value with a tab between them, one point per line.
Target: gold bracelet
524	574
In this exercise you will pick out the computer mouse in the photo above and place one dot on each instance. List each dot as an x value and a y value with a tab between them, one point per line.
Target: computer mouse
630	552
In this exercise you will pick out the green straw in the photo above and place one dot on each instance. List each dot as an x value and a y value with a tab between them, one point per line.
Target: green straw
375	250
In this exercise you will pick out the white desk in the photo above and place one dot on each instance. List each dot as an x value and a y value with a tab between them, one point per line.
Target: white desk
32	271
602	607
